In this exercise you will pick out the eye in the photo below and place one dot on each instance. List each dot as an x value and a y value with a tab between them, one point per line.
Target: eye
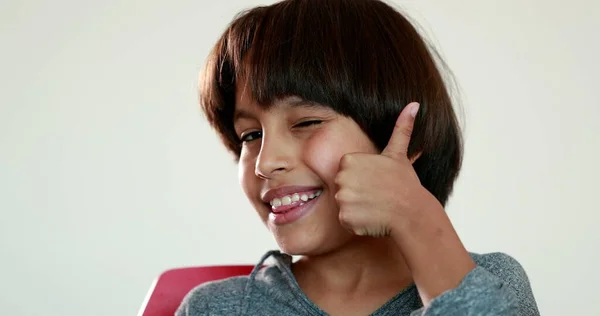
248	137
308	123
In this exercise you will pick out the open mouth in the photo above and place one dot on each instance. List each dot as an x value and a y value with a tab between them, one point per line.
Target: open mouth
289	209
288	203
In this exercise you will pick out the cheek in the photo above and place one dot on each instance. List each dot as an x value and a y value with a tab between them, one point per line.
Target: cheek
322	153
324	150
246	175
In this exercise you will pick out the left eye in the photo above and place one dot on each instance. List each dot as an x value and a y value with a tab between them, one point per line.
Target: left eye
308	123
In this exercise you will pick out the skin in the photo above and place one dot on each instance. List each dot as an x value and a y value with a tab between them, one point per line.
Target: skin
374	230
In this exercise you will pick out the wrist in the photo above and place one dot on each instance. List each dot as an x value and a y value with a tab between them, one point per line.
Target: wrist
423	218
433	251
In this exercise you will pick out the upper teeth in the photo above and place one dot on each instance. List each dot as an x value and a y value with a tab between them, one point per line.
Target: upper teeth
289	199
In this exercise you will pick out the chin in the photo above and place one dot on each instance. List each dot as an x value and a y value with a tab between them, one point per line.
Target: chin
310	242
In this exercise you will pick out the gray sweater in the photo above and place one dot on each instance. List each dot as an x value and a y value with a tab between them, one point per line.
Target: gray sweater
497	286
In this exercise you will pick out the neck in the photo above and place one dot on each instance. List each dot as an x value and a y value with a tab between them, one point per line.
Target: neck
363	264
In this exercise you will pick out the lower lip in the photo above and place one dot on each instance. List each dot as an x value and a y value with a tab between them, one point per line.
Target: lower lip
293	214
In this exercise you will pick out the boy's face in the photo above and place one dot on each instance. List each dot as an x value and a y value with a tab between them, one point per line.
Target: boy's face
289	159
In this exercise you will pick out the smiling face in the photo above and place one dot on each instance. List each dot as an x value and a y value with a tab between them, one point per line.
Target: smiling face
289	159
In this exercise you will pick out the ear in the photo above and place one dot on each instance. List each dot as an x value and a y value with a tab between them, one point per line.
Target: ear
415	157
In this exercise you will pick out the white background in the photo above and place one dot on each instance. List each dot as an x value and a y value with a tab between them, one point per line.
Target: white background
109	175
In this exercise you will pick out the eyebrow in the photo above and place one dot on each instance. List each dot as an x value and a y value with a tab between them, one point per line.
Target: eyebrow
242	114
301	103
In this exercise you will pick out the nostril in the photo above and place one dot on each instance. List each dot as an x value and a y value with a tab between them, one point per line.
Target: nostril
261	176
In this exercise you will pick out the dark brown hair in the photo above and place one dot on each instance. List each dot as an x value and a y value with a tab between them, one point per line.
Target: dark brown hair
362	58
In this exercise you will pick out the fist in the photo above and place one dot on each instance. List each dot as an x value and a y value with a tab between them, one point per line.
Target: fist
378	192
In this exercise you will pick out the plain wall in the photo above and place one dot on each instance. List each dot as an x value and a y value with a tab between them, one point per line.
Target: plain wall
109	174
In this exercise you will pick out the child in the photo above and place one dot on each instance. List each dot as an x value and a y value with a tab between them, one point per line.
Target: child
348	148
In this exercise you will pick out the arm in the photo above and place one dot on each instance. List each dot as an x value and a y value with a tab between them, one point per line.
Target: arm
500	290
448	281
434	253
381	195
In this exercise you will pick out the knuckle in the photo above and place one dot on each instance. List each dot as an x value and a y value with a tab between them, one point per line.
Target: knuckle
342	196
406	131
347	160
344	217
338	196
339	178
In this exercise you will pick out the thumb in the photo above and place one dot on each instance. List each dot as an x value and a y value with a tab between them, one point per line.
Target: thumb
397	147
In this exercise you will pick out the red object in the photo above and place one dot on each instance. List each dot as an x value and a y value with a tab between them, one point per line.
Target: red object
169	289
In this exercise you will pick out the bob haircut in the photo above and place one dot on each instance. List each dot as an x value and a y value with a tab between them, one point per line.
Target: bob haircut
361	58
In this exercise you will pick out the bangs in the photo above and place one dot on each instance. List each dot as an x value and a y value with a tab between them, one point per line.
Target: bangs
337	57
295	49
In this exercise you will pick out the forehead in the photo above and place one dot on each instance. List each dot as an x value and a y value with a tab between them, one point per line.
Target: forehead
248	107
246	104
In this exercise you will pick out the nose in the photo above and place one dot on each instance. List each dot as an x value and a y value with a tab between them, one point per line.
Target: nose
275	157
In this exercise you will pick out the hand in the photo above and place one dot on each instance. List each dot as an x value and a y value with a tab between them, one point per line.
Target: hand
376	191
381	195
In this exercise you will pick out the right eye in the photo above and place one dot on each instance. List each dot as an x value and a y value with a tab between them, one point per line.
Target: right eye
248	137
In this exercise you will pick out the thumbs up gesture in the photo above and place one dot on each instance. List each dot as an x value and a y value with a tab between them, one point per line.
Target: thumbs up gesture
378	194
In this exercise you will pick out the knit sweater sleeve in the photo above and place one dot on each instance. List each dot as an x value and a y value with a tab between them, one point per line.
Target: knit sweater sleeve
498	286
